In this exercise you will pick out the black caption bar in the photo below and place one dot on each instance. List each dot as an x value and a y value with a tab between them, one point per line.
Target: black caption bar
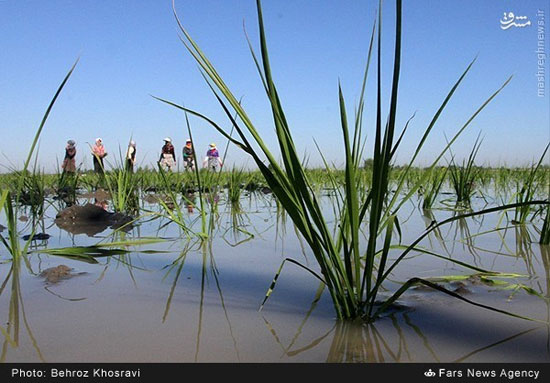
144	372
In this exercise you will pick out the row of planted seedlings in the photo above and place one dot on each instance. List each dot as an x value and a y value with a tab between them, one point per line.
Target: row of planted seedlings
126	194
530	184
460	181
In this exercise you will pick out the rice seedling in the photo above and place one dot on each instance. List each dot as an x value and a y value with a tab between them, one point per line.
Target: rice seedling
67	186
501	180
123	190
352	274
122	184
463	178
33	193
431	192
172	206
528	191
234	187
29	188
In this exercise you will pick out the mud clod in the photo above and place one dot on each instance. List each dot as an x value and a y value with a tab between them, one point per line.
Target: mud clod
55	274
90	219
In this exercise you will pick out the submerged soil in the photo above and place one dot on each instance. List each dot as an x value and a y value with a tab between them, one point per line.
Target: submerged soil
58	273
90	219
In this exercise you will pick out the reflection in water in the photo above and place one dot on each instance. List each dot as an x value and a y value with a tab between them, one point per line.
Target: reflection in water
101	203
355	342
206	251
418	332
360	342
190	200
479	350
281	217
523	248
16	311
398	337
236	234
287	350
208	268
212	200
281	220
464	235
544	288
91	219
429	219
177	265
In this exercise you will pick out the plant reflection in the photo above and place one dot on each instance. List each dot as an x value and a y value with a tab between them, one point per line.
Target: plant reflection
16	312
360	342
208	269
429	218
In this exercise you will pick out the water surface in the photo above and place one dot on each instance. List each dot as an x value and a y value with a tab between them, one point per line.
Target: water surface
200	303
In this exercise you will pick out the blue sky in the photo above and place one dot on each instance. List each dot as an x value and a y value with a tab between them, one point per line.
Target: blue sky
130	50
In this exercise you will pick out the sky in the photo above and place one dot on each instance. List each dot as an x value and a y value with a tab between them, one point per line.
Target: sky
130	51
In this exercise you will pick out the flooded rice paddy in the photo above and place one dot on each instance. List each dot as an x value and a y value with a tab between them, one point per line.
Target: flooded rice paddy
183	300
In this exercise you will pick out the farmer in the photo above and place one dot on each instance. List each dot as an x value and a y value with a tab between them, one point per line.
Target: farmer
212	159
98	152
131	156
69	162
188	156
167	155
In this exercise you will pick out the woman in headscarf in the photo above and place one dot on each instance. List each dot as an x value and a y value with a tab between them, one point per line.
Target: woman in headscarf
98	152
188	156
69	162
212	159
167	155
131	156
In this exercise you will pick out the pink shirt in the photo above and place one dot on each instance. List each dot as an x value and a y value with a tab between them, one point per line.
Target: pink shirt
98	150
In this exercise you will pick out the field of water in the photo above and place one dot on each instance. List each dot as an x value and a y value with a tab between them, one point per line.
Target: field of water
177	298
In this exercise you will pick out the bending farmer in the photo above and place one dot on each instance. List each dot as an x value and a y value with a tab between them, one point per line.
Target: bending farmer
167	155
212	159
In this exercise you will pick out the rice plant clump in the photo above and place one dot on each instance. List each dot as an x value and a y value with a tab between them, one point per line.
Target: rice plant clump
352	253
465	176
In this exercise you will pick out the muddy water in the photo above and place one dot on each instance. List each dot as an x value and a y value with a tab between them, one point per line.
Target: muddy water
192	303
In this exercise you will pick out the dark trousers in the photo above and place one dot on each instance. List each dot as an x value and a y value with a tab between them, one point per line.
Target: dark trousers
98	165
